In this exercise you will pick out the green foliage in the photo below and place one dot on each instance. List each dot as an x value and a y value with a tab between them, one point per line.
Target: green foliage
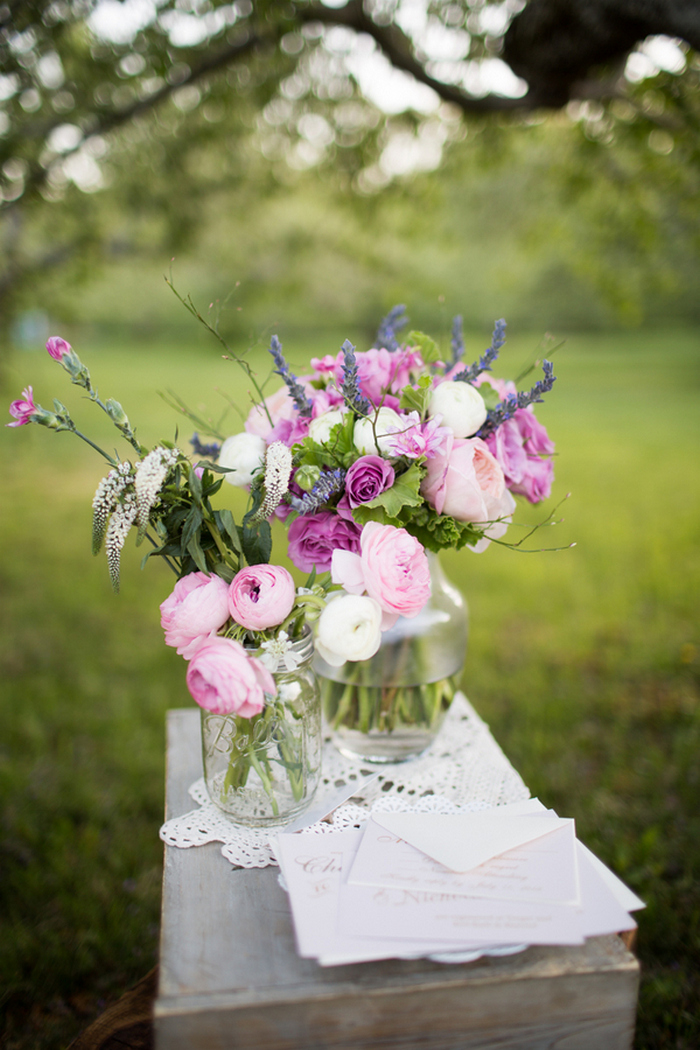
415	399
430	351
395	505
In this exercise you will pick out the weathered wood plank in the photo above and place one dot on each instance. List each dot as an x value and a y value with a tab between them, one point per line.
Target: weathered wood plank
230	976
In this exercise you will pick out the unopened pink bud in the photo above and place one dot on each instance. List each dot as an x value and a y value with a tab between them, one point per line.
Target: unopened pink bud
58	348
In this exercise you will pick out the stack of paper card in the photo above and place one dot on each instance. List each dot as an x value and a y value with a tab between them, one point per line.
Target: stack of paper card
427	884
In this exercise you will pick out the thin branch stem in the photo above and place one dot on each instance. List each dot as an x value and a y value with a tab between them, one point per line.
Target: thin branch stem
189	305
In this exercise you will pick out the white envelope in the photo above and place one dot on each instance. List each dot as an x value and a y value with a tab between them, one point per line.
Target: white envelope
463	841
545	869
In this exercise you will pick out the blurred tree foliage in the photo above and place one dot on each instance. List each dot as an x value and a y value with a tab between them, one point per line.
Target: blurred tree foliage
131	129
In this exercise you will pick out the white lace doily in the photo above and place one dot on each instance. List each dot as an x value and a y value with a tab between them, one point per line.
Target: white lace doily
463	769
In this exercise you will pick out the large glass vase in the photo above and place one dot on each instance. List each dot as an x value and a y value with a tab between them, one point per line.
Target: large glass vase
389	708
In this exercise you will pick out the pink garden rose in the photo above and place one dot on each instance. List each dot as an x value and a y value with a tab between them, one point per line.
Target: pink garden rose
23	408
225	680
58	348
312	538
392	567
460	481
468	484
197	608
261	596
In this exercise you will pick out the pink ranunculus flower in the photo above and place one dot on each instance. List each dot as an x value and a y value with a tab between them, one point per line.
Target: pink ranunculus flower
23	408
225	680
313	538
392	567
261	596
58	348
196	609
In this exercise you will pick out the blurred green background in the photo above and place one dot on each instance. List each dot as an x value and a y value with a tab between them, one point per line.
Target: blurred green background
580	226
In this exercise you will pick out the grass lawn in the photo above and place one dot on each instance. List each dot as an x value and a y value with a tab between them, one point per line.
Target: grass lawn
584	662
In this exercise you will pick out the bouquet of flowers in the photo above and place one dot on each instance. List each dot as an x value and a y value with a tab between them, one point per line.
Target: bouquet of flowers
371	460
396	451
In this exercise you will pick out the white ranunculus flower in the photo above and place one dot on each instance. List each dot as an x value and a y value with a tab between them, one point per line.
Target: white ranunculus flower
349	628
243	454
387	423
461	406
320	427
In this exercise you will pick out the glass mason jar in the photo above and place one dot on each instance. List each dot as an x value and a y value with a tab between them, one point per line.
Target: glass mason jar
263	771
389	708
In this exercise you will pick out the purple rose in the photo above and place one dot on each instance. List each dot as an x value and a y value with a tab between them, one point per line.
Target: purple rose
519	445
367	478
314	537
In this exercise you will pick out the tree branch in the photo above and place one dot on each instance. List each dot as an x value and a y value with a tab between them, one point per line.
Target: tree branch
101	125
397	47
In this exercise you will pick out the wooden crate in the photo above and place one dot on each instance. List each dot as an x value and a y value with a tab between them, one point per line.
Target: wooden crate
230	976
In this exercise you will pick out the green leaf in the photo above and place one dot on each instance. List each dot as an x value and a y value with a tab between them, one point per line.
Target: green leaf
429	350
365	513
489	394
413	400
224	571
195	485
193	523
405	492
257	543
215	468
197	554
227	525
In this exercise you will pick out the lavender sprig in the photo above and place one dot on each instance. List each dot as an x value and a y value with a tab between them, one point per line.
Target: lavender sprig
207	451
510	405
484	364
296	390
386	333
350	386
330	482
457	341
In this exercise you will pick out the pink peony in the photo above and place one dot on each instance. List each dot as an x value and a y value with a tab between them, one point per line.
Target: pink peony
225	680
196	609
261	596
23	408
392	568
58	348
313	538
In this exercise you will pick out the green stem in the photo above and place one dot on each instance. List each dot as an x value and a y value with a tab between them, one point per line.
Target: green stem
189	305
92	444
265	778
